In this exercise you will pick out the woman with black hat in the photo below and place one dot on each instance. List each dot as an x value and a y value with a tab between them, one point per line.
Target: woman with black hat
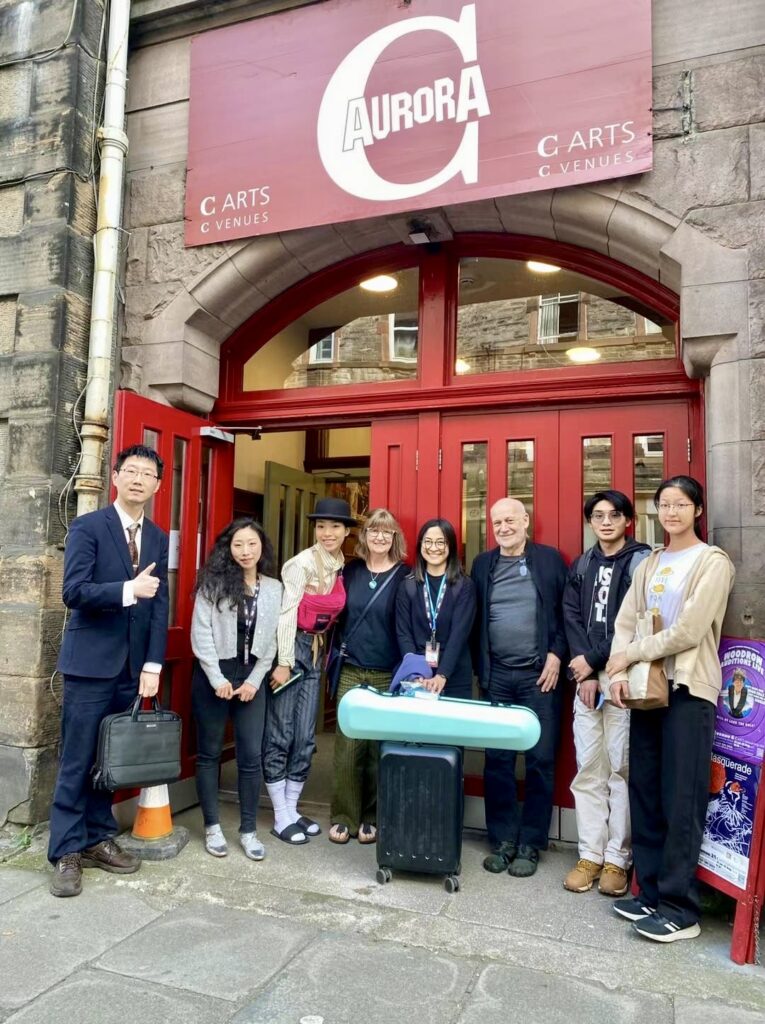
314	596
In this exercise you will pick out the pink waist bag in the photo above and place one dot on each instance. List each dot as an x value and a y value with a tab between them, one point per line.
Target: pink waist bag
317	612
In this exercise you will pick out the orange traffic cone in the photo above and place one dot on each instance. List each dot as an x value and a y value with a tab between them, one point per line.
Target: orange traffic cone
153	836
153	820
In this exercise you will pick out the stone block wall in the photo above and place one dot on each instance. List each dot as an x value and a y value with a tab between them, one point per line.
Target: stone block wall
46	224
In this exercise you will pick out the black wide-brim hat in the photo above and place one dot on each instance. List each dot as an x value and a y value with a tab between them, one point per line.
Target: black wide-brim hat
336	509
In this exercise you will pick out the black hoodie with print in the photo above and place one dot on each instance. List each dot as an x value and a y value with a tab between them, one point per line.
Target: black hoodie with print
592	599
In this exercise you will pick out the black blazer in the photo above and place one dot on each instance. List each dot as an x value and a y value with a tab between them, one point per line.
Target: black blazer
455	621
101	635
548	571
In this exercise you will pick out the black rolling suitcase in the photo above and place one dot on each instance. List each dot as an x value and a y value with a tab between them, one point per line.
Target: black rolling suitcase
420	807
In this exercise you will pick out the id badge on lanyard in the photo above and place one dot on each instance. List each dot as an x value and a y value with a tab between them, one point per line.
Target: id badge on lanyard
433	647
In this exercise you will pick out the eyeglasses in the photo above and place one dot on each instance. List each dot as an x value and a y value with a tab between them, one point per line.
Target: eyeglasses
666	506
385	534
601	517
133	474
436	545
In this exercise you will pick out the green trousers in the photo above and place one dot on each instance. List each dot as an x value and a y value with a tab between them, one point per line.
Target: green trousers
354	795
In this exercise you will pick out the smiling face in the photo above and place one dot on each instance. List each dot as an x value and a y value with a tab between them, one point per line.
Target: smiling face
607	524
677	513
379	540
246	548
509	521
135	482
330	535
435	550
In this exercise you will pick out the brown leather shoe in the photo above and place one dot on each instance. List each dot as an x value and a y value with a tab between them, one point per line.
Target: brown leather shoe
109	857
67	876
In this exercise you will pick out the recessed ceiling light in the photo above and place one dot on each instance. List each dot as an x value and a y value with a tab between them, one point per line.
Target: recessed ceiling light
582	354
381	283
542	268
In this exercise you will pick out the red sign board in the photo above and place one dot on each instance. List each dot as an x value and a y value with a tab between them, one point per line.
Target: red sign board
354	108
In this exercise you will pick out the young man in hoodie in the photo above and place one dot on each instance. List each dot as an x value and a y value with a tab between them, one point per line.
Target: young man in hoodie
597	583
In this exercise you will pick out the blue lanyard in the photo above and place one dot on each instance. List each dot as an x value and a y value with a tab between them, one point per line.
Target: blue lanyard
430	611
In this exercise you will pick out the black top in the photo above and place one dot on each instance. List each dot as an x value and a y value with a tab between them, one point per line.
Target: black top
548	572
373	644
455	620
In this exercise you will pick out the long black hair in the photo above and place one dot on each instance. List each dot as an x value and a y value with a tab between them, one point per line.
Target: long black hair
693	491
453	567
221	578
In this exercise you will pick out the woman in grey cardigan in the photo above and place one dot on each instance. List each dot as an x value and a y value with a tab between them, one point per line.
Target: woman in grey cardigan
233	635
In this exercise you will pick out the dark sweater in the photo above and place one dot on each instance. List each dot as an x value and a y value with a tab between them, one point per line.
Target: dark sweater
373	644
455	621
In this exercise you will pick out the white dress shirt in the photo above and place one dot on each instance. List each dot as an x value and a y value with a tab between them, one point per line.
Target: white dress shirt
128	596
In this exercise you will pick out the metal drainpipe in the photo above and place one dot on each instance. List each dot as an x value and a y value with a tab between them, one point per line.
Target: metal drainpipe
113	146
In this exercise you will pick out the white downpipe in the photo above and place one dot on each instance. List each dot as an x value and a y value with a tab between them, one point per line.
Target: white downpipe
113	145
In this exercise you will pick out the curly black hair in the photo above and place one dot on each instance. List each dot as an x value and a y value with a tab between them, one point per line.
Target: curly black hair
221	578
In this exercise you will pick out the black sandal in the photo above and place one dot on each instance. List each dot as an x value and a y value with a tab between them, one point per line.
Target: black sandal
367	834
309	826
287	833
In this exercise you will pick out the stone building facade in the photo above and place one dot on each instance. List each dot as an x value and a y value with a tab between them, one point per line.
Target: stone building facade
695	223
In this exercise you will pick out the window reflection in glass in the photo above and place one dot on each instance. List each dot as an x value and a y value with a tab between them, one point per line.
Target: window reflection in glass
356	337
649	473
510	318
474	494
176	523
151	440
520	476
596	475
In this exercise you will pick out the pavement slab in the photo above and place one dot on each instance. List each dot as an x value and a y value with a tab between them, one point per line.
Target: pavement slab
693	1011
14	882
92	997
344	980
43	939
540	998
209	949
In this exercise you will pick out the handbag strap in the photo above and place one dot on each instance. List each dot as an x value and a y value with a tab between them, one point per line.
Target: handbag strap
368	605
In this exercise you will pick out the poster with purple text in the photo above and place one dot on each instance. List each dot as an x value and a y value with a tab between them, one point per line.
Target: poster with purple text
727	841
740	726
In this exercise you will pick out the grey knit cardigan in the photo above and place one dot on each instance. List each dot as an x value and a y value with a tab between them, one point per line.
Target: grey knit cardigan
213	633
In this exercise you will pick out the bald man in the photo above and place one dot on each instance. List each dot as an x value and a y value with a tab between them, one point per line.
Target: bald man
519	647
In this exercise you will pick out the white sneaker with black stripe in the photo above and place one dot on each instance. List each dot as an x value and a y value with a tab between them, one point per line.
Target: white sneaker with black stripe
660	929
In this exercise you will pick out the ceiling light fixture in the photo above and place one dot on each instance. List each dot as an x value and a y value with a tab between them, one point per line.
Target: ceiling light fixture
582	354
381	283
542	268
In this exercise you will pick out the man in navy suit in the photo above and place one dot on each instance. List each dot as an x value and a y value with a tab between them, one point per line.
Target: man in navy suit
115	587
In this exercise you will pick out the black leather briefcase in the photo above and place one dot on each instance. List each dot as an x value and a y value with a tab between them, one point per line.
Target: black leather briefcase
138	748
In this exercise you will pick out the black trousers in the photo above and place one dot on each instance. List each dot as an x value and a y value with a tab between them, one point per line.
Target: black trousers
211	715
670	754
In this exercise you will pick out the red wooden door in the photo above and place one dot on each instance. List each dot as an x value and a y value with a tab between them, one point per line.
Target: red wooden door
194	502
393	471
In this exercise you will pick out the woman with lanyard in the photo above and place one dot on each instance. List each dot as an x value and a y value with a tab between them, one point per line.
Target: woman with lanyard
233	636
367	644
314	596
687	583
435	608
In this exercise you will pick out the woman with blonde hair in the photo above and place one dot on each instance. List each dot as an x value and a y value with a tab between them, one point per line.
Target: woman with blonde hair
367	644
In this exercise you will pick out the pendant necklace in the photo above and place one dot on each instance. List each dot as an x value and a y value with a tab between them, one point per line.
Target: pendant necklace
373	580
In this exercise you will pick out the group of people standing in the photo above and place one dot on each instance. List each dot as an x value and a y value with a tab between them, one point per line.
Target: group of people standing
519	622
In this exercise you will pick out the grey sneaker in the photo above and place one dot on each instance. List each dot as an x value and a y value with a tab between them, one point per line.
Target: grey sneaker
215	841
252	846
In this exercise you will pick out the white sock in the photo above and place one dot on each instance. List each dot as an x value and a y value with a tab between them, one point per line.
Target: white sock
282	815
292	795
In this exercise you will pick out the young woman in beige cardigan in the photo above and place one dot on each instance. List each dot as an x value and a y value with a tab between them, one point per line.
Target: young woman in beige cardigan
688	583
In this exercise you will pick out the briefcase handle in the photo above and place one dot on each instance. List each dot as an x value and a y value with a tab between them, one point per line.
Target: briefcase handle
136	706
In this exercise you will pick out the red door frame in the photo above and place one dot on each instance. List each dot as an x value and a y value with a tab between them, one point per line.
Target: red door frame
205	502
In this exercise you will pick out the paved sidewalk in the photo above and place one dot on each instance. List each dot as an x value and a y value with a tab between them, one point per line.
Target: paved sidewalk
308	935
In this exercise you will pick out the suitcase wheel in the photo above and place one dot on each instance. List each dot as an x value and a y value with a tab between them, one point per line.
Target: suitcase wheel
452	884
384	875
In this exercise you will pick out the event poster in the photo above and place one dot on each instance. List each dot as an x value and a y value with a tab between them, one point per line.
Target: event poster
727	841
740	726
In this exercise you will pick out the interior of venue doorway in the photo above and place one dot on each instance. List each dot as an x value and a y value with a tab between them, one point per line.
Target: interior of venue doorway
432	380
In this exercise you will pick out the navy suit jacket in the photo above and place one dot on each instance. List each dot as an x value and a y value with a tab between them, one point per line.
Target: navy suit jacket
101	635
